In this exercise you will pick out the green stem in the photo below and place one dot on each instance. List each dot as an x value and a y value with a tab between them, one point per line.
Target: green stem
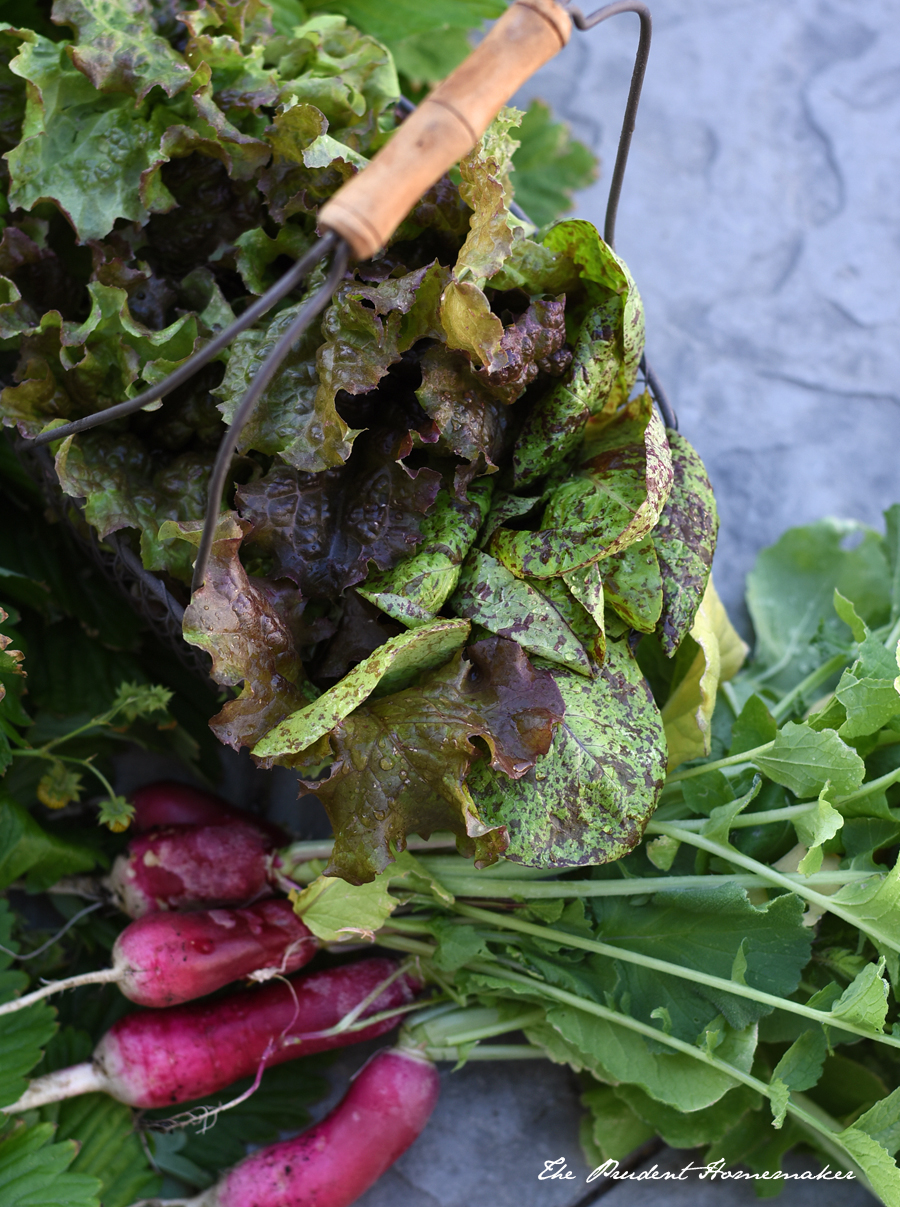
733	856
530	890
402	943
485	1052
818	676
825	1131
745	820
884	781
685	974
733	760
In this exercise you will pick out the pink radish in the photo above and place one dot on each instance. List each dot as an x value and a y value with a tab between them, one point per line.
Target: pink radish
184	867
165	959
334	1162
169	803
160	1057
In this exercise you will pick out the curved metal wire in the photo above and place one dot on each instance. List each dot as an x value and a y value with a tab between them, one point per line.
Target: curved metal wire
670	419
270	366
634	95
280	289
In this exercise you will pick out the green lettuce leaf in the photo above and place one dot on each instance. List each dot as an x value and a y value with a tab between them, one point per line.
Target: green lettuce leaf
420	584
588	799
613	500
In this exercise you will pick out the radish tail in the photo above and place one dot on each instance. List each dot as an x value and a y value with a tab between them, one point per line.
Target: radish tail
64	1083
100	977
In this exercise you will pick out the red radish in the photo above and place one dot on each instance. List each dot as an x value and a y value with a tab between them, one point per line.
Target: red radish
170	958
165	959
334	1162
169	803
184	867
160	1057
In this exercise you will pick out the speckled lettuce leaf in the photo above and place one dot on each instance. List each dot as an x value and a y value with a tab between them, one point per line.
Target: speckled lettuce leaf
471	420
687	714
117	48
491	596
586	587
125	486
613	500
590	633
533	341
400	764
392	667
485	188
633	585
69	369
685	540
588	799
415	590
555	425
321	530
246	637
91	153
602	272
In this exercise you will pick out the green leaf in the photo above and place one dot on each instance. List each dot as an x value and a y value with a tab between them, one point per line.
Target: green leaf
119	52
689	1130
685	540
336	911
870	704
133	700
790	594
801	1066
392	667
613	500
882	1122
815	828
706	930
613	1128
401	763
457	945
22	1033
633	585
878	1166
469	324
616	1053
490	595
406	17
876	900
805	761
865	1000
27	849
553	428
891	547
549	166
847	612
33	1171
421	583
754	726
588	799
485	188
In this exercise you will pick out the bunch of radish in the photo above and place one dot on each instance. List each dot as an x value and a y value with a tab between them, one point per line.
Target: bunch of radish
194	850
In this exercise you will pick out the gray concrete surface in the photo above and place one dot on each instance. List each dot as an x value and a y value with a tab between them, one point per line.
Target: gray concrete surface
760	220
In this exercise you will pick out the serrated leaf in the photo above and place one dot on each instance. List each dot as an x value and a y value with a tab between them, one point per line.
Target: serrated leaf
587	800
882	1122
26	849
336	911
865	1000
33	1171
801	1066
870	704
805	761
687	714
390	668
549	165
24	1032
815	828
878	1166
485	188
688	1130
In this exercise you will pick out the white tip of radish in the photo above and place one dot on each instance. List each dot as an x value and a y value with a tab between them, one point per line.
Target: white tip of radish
54	1087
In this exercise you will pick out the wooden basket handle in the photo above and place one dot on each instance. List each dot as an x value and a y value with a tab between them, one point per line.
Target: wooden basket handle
369	207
